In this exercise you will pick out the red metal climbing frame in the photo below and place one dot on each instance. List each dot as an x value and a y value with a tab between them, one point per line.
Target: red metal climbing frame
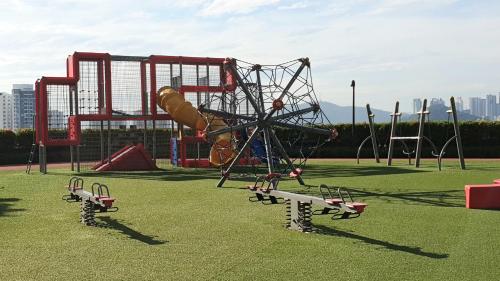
104	87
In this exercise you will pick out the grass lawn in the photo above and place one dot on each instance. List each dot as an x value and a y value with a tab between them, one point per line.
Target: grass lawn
175	225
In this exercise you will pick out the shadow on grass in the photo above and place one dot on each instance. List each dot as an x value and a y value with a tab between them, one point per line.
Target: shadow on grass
159	175
441	198
111	223
7	204
387	245
310	172
324	171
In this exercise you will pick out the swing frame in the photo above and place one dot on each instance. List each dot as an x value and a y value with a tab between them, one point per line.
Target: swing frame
396	115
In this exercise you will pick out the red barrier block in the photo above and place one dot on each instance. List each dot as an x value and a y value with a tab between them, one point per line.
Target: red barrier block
482	196
496	181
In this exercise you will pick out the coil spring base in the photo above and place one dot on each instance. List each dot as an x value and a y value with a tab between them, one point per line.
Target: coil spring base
302	221
305	217
87	214
288	213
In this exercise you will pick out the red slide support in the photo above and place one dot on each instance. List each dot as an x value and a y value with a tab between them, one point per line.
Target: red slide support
129	158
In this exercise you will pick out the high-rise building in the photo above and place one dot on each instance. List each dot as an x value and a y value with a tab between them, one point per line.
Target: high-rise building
436	101
482	106
24	105
6	105
498	107
56	119
477	106
459	104
417	105
491	106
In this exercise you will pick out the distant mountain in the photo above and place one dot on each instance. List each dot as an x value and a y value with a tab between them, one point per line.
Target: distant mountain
343	114
438	113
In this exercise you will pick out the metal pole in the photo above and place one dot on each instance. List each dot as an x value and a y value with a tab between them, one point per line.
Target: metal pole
457	134
41	158
71	158
305	62
154	141
244	88
394	123
78	158
267	140
285	156
420	136
101	139
371	118
109	141
353	85
44	159
225	173
145	135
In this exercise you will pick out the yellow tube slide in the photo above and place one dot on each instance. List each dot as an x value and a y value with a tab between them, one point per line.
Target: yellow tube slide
222	151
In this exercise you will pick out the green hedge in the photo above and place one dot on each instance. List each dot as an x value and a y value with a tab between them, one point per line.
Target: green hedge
7	140
480	140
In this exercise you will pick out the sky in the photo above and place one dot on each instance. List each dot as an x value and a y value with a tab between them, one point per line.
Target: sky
394	49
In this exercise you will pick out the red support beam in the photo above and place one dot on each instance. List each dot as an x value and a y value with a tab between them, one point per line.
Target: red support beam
192	89
144	98
185	60
107	79
100	87
37	112
152	73
104	89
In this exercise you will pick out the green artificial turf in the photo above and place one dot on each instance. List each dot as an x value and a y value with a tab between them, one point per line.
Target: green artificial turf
175	225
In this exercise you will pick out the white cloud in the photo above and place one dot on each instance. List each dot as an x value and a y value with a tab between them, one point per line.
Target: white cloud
386	6
296	5
391	57
220	7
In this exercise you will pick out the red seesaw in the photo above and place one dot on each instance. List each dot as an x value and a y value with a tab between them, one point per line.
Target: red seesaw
334	201
99	199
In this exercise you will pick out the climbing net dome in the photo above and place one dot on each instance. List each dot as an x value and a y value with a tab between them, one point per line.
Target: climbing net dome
262	98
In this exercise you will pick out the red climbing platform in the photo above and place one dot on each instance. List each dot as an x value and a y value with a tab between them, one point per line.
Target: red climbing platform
129	158
482	196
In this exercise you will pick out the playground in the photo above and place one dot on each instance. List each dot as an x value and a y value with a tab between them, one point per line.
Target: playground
175	225
195	168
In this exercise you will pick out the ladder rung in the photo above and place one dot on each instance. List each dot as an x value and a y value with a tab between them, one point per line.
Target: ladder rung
405	138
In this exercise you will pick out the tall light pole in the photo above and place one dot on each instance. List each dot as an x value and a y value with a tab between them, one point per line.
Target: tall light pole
353	85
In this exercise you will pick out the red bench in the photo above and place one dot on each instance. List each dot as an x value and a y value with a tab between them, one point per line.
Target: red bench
482	196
